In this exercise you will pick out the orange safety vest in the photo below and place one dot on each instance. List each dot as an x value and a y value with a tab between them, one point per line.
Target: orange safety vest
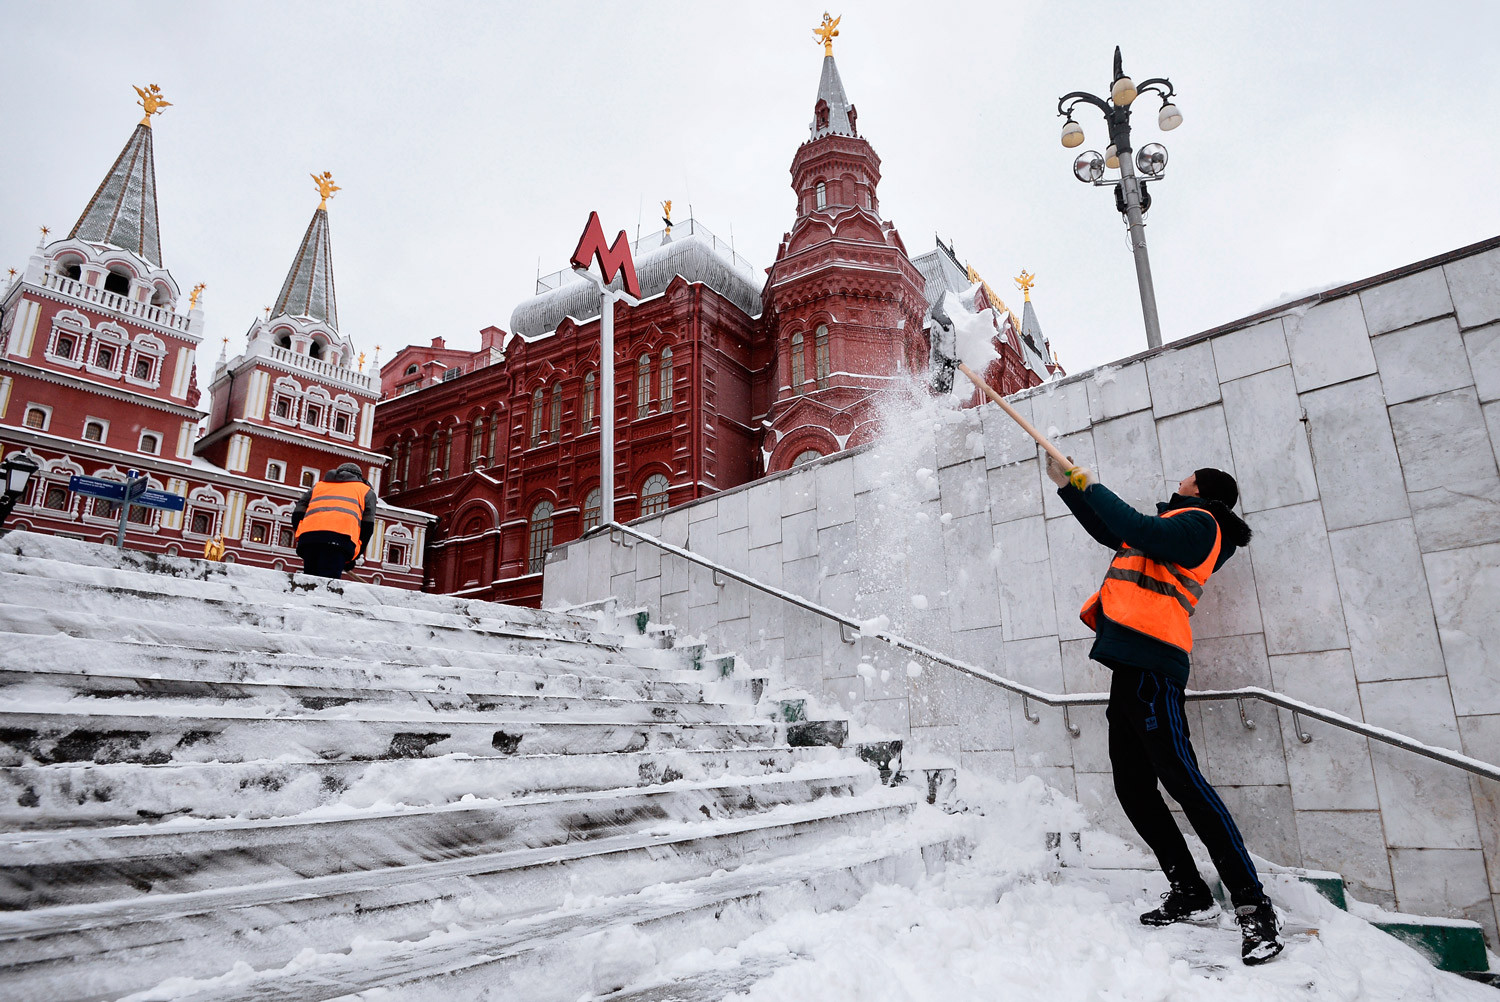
1150	596
335	507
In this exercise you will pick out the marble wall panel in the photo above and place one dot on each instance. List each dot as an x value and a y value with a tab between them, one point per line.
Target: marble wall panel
674	527
1392	633
870	470
1294	578
674	574
1036	662
1492	420
961	440
1113	391
835	493
1192	440
964	489
799	535
1236	755
1474	284
1016	490
1333	771
1129	461
622	587
1351	843
647	561
1358	472
1004	441
1406	301
1251	350
1078	565
1465	588
1423	360
1266	820
1230	662
1230	605
704	510
937	744
838	549
734	510
1450	469
799	491
1271	459
1096	792
984	717
1425	804
1060	408
1481	740
1026	603
1329	343
703	538
1446	882
1183	380
936	696
1081	674
992	765
764	504
973	600
1483	348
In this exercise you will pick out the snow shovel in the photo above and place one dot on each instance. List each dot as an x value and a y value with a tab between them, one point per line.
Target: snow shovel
942	375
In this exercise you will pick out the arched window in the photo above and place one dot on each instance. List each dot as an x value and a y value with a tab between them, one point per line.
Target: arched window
643	387
665	393
556	412
654	495
797	371
593	509
541	537
411	370
822	195
589	389
93	431
476	443
405	448
435	450
150	443
806	456
315	349
538	405
821	358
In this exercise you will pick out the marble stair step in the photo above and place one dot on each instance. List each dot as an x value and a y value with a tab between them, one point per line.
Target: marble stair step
284	615
55	556
107	949
91	665
86	795
69	866
555	956
413	647
42	735
138	694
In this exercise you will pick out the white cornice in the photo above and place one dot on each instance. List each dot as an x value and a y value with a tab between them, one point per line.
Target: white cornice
114	315
238	426
115	393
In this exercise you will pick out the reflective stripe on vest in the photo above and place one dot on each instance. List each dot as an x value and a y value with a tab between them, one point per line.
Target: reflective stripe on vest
332	509
1151	596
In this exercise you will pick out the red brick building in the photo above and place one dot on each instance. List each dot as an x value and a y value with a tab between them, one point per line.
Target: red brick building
98	377
722	373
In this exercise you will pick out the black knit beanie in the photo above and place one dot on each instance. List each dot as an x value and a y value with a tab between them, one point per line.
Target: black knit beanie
1216	485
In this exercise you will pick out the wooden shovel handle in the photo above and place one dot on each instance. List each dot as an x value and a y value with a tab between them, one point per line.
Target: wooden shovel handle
1026	425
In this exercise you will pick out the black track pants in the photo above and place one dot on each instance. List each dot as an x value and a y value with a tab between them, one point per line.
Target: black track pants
1148	743
324	554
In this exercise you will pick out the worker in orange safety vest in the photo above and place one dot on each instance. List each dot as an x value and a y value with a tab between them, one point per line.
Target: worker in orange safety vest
334	521
1141	618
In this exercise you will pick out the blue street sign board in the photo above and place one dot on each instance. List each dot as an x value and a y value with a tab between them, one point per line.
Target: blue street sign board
136	488
97	487
111	490
160	499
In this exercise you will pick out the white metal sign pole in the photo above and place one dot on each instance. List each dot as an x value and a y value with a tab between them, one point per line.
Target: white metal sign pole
606	405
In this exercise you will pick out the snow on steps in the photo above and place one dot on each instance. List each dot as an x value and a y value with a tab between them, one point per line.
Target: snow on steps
205	765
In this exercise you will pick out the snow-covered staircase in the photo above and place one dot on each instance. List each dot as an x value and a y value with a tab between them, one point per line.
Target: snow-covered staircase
272	787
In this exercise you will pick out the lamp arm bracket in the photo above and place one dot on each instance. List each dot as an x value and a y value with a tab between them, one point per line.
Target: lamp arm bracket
1155	84
1080	96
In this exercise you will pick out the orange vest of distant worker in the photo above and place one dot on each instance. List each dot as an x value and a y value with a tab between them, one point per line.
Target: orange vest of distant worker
1150	596
335	507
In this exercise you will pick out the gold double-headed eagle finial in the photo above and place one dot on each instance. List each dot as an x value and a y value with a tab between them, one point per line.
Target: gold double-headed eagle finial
152	101
197	291
828	31
666	215
326	187
1024	282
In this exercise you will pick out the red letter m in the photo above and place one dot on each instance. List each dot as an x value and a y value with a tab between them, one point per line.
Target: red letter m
612	259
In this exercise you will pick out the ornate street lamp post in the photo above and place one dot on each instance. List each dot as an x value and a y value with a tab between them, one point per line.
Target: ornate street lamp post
1131	196
15	476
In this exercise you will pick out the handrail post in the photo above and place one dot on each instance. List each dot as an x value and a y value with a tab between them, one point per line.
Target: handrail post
1035	718
1073	728
1249	724
1302	735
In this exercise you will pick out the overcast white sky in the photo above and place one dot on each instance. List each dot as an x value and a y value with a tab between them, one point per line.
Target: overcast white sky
1322	142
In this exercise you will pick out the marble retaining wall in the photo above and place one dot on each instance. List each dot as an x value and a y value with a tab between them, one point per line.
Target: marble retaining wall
1363	426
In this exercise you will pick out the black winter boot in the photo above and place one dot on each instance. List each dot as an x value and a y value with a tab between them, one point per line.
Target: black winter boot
1187	901
1258	928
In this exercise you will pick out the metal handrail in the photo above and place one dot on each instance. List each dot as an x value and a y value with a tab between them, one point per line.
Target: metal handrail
851	630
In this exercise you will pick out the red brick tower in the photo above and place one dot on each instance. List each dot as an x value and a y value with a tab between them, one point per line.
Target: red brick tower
843	304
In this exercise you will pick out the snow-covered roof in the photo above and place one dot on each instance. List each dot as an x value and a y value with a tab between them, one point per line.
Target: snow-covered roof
942	272
691	251
123	210
831	90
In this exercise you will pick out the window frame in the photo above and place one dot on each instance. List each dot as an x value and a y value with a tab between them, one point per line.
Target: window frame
103	424
664	379
539	528
648	497
643	386
799	365
588	406
822	368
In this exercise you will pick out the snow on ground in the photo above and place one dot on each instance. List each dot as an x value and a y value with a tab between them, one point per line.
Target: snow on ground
1010	924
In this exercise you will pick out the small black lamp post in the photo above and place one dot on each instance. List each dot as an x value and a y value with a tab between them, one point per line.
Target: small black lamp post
16	472
1131	198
